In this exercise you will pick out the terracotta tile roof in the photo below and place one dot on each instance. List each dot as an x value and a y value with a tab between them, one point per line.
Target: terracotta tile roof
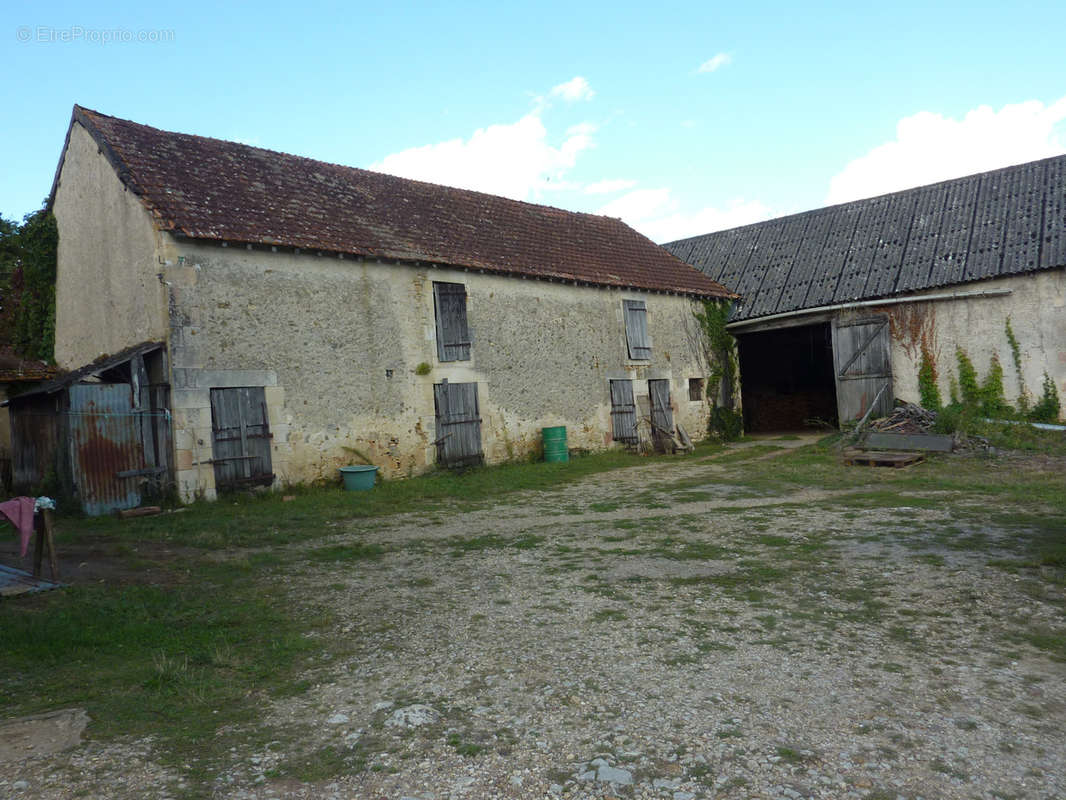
211	189
14	367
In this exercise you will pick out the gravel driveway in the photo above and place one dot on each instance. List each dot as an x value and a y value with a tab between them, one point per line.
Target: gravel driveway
651	633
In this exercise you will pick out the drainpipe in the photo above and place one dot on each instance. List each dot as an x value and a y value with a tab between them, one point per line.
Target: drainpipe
732	326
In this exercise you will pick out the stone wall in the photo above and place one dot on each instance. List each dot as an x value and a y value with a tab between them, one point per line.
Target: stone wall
338	344
109	291
1036	307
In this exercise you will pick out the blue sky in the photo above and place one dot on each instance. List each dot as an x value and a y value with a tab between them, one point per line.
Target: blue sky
679	118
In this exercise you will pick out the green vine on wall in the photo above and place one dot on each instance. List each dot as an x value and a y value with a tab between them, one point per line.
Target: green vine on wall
720	349
928	390
1016	355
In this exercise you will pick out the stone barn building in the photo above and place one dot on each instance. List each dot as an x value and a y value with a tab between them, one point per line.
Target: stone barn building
838	304
307	313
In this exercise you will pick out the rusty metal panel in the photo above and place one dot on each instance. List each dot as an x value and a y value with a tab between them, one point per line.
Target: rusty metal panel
105	440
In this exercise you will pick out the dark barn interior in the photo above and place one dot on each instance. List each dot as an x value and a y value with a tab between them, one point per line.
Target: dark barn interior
786	378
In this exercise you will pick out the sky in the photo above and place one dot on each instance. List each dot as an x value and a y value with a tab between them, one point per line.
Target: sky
679	118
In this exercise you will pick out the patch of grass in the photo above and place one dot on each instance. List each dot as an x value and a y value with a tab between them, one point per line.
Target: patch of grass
609	615
464	748
346	552
185	664
614	505
460	545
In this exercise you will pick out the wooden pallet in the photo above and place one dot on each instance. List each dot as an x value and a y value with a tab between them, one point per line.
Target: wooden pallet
875	458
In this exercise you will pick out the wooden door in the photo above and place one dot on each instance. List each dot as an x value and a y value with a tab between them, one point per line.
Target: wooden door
240	438
458	424
862	360
662	417
623	412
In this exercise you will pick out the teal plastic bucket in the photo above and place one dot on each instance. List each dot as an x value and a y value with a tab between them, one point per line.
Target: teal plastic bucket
555	444
358	479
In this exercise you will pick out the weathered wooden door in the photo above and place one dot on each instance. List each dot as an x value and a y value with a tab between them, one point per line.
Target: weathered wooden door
862	359
662	417
241	438
623	412
106	449
458	424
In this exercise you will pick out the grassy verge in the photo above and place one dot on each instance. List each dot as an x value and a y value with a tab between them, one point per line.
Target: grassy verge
190	654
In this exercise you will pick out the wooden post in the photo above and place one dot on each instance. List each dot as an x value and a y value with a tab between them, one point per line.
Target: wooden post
50	542
45	541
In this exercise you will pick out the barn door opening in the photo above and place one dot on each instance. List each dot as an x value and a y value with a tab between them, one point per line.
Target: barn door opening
787	378
623	412
862	356
662	417
458	424
240	438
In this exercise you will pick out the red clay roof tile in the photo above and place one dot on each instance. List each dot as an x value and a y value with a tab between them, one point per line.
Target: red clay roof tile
217	190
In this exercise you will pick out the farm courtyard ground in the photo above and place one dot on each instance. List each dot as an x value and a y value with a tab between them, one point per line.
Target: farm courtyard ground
747	622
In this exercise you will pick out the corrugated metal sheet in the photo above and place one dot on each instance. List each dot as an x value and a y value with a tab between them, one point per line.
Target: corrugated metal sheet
105	442
1004	222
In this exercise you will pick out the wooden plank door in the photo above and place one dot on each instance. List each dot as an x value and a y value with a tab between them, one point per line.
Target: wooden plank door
458	424
241	438
623	412
662	417
862	360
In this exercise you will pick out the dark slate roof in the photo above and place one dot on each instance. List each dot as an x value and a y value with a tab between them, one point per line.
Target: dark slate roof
224	191
990	225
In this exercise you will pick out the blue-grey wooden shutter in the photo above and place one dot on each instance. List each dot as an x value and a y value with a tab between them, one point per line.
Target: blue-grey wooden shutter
241	437
662	417
636	317
458	424
453	334
623	412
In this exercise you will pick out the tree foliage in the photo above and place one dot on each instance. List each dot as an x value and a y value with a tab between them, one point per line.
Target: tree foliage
27	284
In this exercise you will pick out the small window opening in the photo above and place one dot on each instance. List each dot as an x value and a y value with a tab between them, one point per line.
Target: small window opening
695	388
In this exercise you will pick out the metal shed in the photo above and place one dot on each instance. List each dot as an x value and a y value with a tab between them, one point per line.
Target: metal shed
100	435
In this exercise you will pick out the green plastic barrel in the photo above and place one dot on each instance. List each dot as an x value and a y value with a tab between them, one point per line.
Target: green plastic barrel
359	478
555	444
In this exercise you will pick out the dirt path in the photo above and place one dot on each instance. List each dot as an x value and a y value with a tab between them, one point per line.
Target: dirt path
654	633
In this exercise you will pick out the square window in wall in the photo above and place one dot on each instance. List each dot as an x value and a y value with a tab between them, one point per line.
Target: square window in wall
695	388
453	334
636	319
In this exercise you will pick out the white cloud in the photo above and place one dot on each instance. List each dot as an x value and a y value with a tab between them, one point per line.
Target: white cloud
716	61
577	88
608	186
514	160
658	215
930	147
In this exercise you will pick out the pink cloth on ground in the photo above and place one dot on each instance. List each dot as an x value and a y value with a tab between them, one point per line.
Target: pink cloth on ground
20	512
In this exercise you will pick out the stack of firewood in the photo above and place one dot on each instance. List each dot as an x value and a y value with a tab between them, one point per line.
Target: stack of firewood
907	418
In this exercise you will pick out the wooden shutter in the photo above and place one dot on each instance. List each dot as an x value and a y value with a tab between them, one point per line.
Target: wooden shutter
453	335
458	424
862	357
623	412
662	417
240	438
636	317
